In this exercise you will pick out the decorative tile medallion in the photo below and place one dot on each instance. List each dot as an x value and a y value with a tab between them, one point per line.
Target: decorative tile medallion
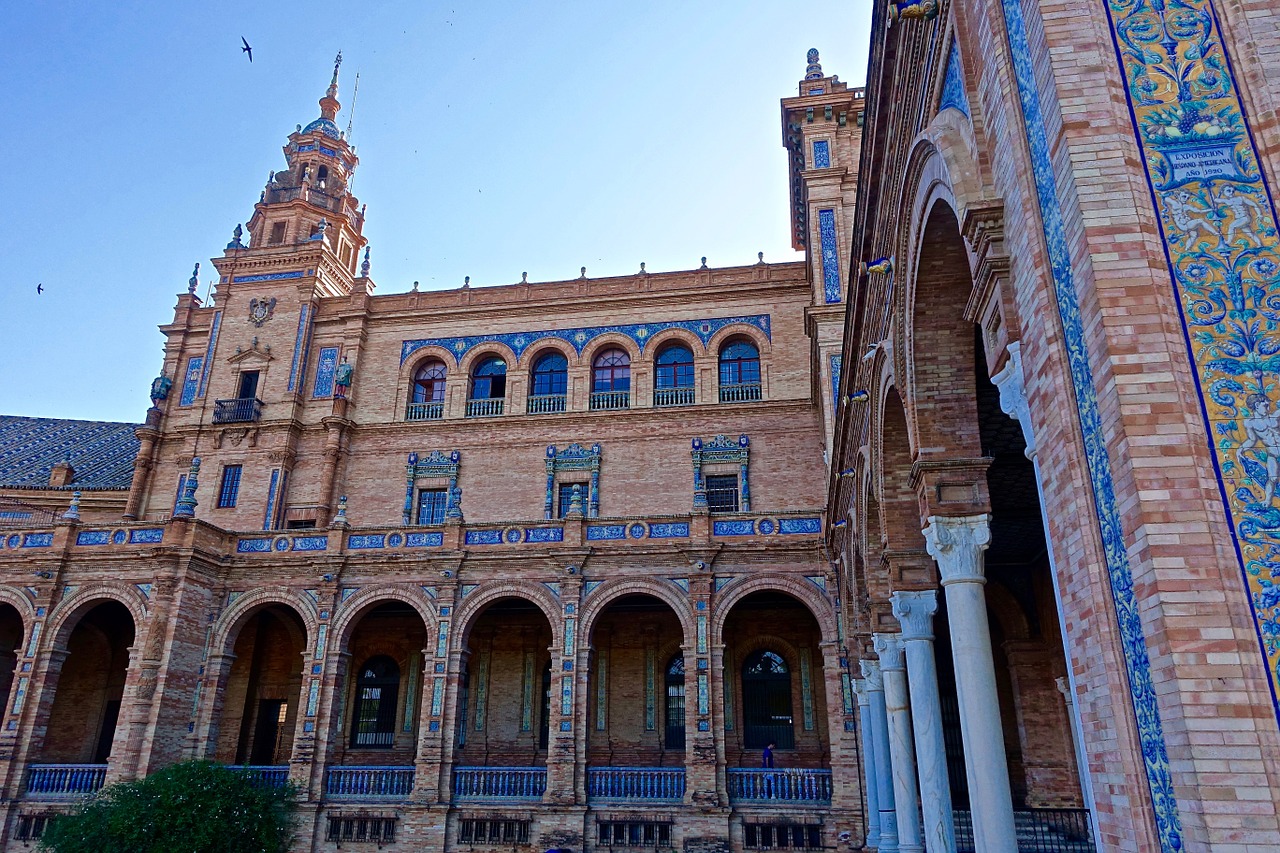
118	538
581	337
395	540
637	530
767	526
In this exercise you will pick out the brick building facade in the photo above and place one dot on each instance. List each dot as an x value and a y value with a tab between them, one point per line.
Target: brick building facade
548	564
510	566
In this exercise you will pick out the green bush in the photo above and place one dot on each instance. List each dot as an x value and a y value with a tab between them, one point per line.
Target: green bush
192	807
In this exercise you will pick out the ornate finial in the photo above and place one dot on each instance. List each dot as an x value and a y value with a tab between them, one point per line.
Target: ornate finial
584	273
236	242
415	287
364	265
194	281
466	282
340	520
73	511
704	263
642	269
524	278
186	507
329	105
453	511
575	502
814	69
760	257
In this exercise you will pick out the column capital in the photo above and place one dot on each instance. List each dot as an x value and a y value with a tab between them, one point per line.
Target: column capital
889	647
1064	687
915	612
861	691
871	675
957	543
1013	394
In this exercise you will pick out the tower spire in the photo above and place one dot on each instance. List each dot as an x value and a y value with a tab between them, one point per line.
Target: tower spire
329	105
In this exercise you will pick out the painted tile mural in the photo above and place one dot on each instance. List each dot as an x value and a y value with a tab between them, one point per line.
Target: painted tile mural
1219	226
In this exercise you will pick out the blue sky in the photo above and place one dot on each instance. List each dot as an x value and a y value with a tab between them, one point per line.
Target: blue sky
494	138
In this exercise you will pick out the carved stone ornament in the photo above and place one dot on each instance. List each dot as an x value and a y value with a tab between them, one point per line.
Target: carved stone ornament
260	310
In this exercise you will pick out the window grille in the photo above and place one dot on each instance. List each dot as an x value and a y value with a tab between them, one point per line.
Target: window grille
370	829
31	827
565	497
781	836
374	723
493	831
722	493
628	833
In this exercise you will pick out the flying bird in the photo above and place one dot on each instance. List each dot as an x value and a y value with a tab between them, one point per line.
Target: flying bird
246	48
40	288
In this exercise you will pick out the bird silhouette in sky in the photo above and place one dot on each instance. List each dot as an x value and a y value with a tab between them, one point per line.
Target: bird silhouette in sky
246	48
39	288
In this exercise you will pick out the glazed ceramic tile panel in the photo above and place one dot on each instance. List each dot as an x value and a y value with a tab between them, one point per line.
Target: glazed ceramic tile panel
1218	221
1120	574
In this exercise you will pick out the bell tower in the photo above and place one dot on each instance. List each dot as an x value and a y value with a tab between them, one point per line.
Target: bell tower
822	132
306	216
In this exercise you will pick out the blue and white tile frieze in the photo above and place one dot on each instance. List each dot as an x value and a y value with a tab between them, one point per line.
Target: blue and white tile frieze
1134	643
261	545
146	536
544	534
800	525
310	543
366	541
599	532
830	256
579	338
93	537
733	527
326	370
669	530
484	537
424	540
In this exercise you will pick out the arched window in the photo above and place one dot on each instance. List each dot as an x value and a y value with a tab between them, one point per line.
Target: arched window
373	721
428	383
611	371
739	372
550	374
489	381
673	378
426	402
675	703
488	388
766	702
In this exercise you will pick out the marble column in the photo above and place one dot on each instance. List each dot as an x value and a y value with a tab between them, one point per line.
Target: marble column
868	762
901	748
874	682
1011	382
1064	687
915	613
957	544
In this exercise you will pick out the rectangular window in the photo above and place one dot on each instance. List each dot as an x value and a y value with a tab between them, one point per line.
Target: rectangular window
644	834
277	233
431	505
230	488
722	493
566	497
248	384
493	831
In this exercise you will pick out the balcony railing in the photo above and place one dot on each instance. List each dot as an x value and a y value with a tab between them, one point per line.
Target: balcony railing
610	400
779	787
484	408
1037	830
743	392
541	404
424	412
238	410
672	397
369	783
494	783
265	775
64	780
636	783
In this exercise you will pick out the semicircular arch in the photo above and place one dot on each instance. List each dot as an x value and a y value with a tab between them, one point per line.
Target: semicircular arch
231	622
610	591
813	599
478	600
